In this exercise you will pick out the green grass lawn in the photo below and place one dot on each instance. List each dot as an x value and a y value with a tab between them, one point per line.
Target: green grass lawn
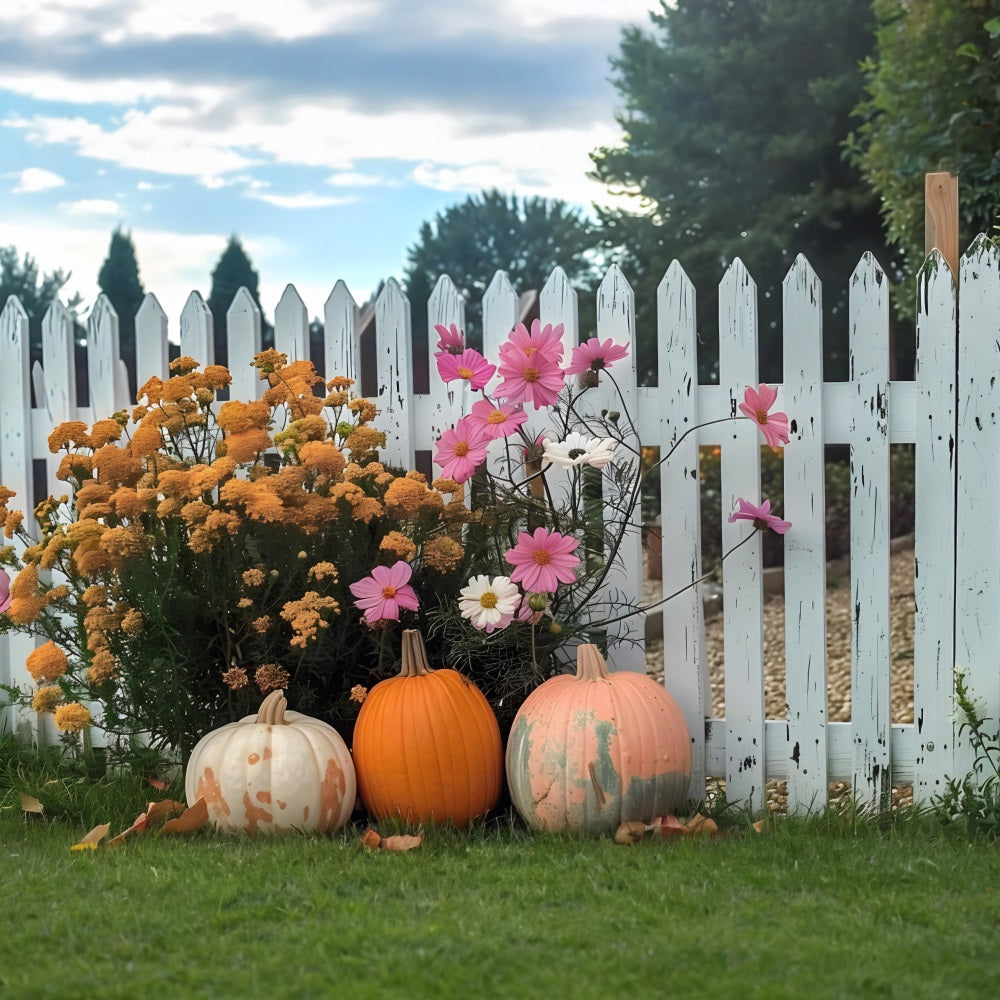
819	908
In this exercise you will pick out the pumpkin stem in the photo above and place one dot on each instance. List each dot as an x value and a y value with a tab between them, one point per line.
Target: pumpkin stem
272	709
590	665
414	655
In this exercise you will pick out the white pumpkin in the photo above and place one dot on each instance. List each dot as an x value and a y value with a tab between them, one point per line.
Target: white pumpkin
273	771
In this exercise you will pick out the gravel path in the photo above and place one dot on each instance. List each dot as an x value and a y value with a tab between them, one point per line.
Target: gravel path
838	645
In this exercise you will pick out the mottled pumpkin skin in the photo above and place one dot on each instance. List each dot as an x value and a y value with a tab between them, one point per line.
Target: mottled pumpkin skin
586	754
427	749
263	778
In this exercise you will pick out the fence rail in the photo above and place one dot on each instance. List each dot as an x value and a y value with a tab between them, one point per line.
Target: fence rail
949	412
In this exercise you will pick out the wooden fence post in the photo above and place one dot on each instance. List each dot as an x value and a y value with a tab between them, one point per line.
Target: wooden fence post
941	217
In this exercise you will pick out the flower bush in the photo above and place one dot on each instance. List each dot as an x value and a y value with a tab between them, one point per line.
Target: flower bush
206	553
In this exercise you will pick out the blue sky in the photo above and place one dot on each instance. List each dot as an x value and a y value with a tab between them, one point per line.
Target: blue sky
322	132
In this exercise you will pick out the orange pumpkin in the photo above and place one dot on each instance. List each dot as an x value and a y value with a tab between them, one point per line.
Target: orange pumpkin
273	771
427	745
591	751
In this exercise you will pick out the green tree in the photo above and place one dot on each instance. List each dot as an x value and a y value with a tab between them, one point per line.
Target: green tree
493	231
233	272
119	280
733	118
932	103
20	277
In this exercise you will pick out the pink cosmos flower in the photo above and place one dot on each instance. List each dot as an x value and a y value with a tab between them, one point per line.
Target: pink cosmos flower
461	449
595	355
544	340
384	592
543	560
469	365
761	516
530	378
774	426
4	591
496	421
451	340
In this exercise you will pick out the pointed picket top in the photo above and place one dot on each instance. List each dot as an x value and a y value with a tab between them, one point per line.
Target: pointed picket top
12	310
394	374
558	304
102	359
291	325
446	305
801	274
499	313
243	324
57	392
197	331
868	273
448	401
342	347
152	355
981	246
616	307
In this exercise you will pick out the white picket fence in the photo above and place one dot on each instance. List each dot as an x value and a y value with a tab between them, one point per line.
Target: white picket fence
950	412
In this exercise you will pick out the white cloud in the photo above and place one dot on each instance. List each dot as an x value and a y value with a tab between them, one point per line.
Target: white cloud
91	206
33	179
304	200
348	178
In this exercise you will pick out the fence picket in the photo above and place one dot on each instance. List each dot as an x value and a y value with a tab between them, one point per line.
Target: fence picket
103	360
743	632
869	378
291	325
196	326
243	324
675	405
447	402
151	351
15	474
616	321
934	548
58	380
395	374
341	337
805	546
977	582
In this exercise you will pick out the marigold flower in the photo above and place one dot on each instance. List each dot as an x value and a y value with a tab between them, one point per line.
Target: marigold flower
253	577
366	410
103	668
358	693
46	663
67	433
399	545
271	677
404	497
71	718
46	699
132	622
443	554
323	456
146	439
235	678
262	625
322	571
306	616
26	600
340	382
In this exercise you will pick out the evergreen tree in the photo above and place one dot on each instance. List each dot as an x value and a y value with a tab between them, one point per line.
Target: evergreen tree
233	272
734	114
492	231
119	280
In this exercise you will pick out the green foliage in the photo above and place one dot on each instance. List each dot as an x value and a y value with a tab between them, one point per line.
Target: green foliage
973	804
932	103
492	232
232	272
119	280
732	119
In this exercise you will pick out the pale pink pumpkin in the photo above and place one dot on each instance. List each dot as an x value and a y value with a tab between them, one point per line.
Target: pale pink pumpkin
591	751
273	772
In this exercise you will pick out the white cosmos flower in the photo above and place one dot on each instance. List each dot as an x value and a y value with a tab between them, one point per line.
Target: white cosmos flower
489	603
578	449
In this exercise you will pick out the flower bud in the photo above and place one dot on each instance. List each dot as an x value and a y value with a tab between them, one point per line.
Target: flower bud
536	602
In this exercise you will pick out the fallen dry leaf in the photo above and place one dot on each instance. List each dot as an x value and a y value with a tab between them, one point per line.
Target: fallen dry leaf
631	832
370	840
667	827
90	841
702	826
193	818
30	804
402	842
155	811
